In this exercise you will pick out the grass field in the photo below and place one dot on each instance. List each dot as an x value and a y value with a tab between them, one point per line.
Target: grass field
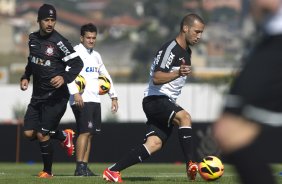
22	173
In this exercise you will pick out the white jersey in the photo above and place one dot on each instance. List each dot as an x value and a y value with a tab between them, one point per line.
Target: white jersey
168	58
93	67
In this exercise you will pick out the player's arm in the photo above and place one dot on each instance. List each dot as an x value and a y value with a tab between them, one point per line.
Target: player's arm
73	90
103	71
72	60
160	77
26	76
112	92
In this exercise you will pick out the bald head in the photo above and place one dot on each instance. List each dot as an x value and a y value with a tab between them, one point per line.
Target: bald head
190	19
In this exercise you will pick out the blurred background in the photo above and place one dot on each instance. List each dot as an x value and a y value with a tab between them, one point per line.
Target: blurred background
129	34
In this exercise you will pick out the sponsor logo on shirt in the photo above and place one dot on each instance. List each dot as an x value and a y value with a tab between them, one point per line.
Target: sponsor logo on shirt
169	60
40	61
157	58
91	69
63	48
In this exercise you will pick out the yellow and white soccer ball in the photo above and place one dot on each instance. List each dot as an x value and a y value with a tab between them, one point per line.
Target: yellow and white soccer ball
104	84
80	83
211	168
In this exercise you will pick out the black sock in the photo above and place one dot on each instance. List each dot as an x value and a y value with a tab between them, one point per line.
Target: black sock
85	164
251	167
81	165
58	134
47	155
137	155
185	140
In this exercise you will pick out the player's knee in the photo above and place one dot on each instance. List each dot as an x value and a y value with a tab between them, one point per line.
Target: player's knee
29	134
153	143
42	136
182	118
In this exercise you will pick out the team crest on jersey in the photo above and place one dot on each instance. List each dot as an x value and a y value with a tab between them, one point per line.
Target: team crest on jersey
49	51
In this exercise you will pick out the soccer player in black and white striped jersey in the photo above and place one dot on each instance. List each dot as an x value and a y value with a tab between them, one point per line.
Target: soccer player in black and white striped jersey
169	70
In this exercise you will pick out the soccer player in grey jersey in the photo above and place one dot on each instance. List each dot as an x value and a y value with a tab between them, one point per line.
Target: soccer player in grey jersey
170	68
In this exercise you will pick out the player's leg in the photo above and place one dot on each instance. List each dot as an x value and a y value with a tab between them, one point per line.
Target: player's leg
258	152
51	114
31	120
156	135
94	130
64	136
81	147
251	167
46	149
183	120
88	120
134	156
86	158
31	128
138	154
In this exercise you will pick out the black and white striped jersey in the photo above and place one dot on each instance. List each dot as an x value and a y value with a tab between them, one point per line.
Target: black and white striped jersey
168	58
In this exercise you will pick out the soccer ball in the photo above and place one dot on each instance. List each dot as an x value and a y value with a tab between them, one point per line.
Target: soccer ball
80	83
104	85
211	168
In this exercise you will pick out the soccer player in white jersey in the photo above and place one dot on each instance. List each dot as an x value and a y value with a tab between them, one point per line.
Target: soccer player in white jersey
86	106
170	68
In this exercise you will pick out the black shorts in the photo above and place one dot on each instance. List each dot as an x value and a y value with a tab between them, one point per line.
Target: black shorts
44	116
160	111
88	119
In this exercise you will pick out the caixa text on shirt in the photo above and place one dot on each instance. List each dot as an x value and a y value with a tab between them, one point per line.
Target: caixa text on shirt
39	61
91	69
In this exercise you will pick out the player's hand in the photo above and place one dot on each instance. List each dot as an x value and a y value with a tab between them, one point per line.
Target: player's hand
78	100
57	81
24	84
114	106
184	69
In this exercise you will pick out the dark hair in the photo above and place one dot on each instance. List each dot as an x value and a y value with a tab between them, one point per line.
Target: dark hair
190	19
87	28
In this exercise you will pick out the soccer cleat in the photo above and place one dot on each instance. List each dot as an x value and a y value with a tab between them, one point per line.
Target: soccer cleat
68	142
43	174
112	176
192	169
80	172
90	173
84	172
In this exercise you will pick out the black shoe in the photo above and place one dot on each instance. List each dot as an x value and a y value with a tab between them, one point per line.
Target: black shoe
80	172
90	173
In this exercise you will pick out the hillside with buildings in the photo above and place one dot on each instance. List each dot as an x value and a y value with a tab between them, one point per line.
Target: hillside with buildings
124	28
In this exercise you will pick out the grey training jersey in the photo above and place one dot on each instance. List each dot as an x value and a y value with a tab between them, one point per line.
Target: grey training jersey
168	58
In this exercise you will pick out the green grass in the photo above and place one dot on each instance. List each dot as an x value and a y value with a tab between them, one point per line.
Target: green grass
22	173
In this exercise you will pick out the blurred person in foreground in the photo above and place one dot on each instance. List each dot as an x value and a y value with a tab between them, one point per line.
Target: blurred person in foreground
86	106
169	71
50	53
249	130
